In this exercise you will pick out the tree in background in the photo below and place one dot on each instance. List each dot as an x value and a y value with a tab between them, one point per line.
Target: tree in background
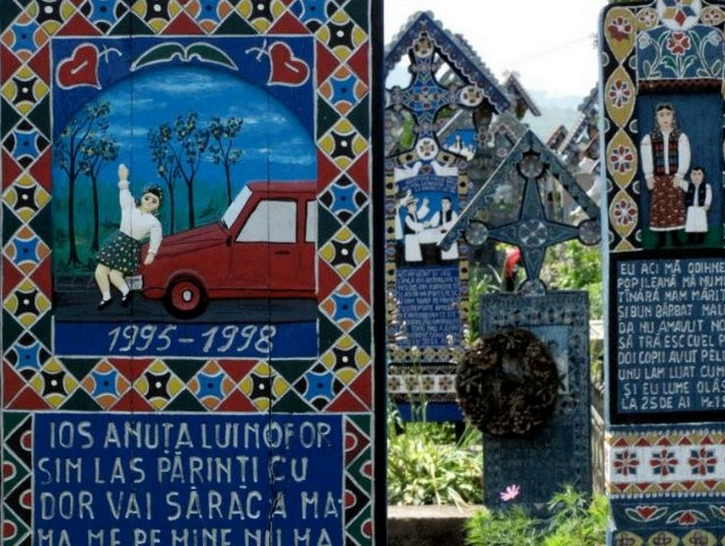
188	146
223	132
167	168
93	120
97	150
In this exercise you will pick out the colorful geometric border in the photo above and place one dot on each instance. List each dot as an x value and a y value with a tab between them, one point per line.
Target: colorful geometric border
666	463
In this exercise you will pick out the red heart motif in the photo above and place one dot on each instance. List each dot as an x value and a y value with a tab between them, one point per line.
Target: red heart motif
80	69
286	68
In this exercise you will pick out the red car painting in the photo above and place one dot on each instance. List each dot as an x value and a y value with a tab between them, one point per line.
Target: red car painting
262	247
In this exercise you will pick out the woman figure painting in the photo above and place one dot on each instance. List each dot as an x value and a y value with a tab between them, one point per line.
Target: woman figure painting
665	161
120	254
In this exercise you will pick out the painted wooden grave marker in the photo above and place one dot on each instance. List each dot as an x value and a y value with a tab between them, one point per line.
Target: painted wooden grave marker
529	433
187	329
426	188
662	91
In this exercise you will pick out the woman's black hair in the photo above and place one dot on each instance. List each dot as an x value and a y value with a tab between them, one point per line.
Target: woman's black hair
154	189
699	168
671	108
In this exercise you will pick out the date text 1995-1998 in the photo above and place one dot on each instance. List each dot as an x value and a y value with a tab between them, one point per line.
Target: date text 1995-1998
284	340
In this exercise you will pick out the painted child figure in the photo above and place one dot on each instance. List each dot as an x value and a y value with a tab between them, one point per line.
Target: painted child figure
698	198
121	253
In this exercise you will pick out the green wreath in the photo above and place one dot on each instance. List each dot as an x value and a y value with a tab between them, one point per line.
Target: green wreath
507	383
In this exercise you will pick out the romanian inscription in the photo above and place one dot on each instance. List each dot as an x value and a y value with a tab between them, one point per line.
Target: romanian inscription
143	480
429	299
669	338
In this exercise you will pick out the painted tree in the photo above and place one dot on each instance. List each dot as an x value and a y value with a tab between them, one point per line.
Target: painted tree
92	120
167	168
223	152
187	146
97	151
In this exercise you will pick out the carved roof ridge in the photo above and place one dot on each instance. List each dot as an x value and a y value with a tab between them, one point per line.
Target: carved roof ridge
509	122
554	133
454	49
513	80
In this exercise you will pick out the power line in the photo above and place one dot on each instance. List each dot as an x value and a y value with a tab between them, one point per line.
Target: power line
546	52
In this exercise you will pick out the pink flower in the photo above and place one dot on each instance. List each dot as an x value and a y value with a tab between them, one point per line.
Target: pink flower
511	492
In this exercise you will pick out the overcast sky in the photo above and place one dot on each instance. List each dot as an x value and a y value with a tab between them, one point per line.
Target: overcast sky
550	43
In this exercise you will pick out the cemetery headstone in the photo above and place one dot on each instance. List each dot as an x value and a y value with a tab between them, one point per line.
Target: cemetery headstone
187	293
525	383
426	188
662	91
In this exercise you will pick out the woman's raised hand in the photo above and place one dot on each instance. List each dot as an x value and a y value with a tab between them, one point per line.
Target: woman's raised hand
122	172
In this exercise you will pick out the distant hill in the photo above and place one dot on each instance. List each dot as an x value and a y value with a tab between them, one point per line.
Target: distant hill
555	111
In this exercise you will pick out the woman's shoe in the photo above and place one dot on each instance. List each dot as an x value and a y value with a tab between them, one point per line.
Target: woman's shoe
104	304
125	300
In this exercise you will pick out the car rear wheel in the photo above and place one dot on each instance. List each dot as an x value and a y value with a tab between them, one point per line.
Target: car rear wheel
185	298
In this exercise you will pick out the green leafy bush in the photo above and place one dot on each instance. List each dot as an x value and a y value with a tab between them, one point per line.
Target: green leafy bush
484	280
502	528
579	267
427	466
574	521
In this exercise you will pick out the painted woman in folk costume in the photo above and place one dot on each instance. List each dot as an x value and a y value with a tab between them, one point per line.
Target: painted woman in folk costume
120	255
665	161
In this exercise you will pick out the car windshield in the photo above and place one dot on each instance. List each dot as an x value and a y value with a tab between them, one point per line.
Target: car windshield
236	207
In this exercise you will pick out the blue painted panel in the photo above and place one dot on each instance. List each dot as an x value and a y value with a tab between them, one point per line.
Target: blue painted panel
436	413
664	53
701	131
257	340
559	452
248	57
173	479
667	338
429	298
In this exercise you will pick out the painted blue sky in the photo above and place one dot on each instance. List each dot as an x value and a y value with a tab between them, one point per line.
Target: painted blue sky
275	145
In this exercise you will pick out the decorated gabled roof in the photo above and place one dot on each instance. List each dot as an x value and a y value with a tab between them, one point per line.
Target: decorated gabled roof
515	90
532	231
556	137
510	124
454	49
577	128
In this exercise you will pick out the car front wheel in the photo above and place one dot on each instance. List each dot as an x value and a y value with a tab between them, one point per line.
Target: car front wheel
185	298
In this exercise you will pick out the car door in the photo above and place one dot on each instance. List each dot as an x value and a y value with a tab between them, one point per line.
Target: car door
265	253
